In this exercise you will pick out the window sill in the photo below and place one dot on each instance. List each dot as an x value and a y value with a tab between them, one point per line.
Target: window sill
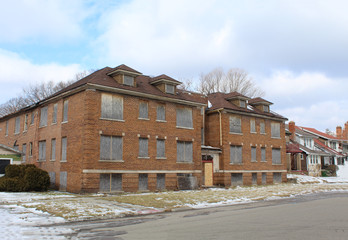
64	122
190	128
254	161
121	161
161	158
185	162
42	126
276	137
63	161
52	160
277	164
25	131
16	133
53	123
110	119
236	133
262	133
236	164
161	121
144	157
263	161
253	132
146	119
41	160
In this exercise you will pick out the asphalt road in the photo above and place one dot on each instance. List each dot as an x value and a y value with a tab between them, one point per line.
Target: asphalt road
317	216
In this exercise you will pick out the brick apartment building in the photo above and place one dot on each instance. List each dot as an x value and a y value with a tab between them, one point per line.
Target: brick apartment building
119	130
114	130
251	139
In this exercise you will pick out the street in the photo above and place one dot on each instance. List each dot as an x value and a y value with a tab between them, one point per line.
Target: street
316	216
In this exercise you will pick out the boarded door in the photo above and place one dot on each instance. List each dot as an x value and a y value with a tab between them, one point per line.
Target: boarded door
208	174
62	181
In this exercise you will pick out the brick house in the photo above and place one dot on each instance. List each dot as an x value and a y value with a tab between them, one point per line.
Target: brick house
114	130
251	139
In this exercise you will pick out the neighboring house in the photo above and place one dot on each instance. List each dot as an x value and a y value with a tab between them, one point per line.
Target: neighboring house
8	156
250	137
114	130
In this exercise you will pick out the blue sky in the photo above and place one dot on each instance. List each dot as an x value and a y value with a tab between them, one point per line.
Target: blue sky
296	51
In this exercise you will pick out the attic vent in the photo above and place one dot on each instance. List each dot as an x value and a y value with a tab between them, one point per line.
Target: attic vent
128	80
242	103
265	108
170	89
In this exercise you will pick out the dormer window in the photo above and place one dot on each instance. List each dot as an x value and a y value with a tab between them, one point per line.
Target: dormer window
242	104
170	89
265	108
128	80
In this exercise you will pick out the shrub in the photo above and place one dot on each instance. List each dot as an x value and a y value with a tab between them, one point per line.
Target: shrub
36	179
12	184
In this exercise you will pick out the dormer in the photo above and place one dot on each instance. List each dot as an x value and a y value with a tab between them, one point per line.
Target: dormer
261	104
124	75
237	99
165	84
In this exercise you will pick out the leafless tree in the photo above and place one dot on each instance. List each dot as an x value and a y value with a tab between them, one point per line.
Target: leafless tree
235	80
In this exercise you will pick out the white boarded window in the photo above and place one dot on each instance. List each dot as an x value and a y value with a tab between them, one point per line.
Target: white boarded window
236	179
143	147
262	127
276	156
25	122
42	151
253	154
161	113
236	156
43	117
263	154
53	149
184	117
110	182
161	148
235	124
54	116
111	148
24	151
128	80
64	148
143	110
17	124
170	88
252	126
65	110
112	107
275	130
184	151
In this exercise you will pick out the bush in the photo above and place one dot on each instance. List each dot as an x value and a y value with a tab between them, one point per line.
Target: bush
24	178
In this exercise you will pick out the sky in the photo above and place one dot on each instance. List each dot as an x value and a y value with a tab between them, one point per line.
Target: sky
296	51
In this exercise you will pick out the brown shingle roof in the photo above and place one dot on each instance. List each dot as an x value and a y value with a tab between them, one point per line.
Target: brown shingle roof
163	76
126	68
258	100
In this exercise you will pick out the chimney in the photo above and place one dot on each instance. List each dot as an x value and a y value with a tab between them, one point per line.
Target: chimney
292	130
339	131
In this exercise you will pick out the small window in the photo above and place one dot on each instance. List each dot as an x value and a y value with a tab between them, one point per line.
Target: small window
170	88
128	80
53	149
262	127
254	178
161	113
54	116
42	151
110	182
265	108
111	148
30	149
143	147
277	177
264	178
65	110
32	118
184	117
6	133
43	117
252	126
236	156
25	123
143	181
161	148
253	154
236	179
242	104
24	151
143	110
64	148
276	156
184	152
275	130
17	125
111	107
161	181
235	124
263	154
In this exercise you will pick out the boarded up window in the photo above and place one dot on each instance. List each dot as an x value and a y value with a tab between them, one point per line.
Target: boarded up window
43	117
53	149
143	181
24	151
161	181
30	149
128	80
65	110
263	154
265	108
54	115
253	154
242	103
264	178
17	124
275	130
63	180
143	110
237	179
52	176
111	148
42	151
277	177
252	126
112	107
184	151
161	148
276	157
184	117
262	127
25	122
170	88
161	113
235	124
143	147
32	118
110	182
254	178
64	148
6	133
236	156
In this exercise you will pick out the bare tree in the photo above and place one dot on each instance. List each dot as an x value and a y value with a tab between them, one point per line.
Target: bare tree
235	80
